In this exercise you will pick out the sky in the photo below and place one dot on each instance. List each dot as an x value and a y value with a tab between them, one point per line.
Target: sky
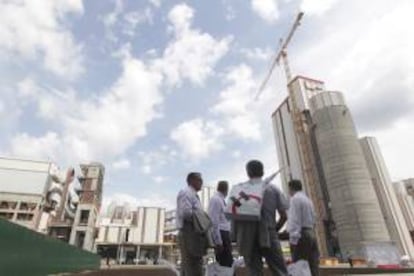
154	89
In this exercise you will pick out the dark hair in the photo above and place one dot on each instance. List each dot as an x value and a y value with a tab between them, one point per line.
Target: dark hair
193	175
254	168
295	185
222	186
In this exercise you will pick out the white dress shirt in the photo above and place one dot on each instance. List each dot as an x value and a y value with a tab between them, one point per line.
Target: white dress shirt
216	210
187	201
301	215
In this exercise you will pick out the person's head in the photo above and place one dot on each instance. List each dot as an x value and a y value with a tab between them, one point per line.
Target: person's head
195	180
254	169
223	187
294	186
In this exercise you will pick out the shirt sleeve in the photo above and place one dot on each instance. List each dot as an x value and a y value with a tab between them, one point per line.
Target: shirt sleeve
294	222
184	206
214	211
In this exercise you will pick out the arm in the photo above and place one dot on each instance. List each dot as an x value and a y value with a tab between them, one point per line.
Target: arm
282	208
294	223
282	220
214	210
185	206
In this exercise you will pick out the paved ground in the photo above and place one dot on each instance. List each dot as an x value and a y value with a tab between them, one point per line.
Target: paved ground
166	271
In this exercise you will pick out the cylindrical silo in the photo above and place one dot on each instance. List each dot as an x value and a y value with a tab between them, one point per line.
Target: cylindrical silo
354	203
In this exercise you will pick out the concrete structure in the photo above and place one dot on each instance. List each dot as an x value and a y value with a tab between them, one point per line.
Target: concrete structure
205	195
23	188
44	198
133	236
355	208
299	158
83	230
407	205
391	210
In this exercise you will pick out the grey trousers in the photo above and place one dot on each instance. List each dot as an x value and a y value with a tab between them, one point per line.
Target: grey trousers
190	265
272	255
307	249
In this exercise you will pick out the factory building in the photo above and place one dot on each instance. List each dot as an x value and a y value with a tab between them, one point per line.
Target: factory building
329	160
133	235
62	203
406	200
391	210
23	188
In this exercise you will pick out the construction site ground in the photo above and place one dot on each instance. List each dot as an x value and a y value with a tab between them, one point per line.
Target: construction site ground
149	270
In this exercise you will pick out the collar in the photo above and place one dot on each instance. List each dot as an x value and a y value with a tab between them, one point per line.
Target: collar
220	195
256	180
191	189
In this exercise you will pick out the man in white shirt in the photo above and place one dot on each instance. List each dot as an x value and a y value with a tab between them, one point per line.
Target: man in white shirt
193	245
221	225
259	239
301	222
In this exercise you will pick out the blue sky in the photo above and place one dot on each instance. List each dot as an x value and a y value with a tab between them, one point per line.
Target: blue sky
154	89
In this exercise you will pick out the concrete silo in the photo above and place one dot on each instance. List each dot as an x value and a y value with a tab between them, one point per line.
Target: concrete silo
360	226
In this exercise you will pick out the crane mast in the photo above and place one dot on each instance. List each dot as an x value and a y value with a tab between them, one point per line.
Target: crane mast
302	133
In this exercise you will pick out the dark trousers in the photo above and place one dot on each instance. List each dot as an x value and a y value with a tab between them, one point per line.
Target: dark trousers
272	255
191	265
225	257
307	249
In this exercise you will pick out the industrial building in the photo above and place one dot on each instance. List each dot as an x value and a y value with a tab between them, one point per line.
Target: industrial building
133	235
23	188
317	143
391	209
62	203
406	200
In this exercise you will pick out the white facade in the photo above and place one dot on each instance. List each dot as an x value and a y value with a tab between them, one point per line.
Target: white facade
144	225
388	200
23	186
288	151
406	203
205	195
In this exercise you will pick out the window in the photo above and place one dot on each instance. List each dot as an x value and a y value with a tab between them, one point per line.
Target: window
25	217
4	205
80	239
127	235
84	217
24	206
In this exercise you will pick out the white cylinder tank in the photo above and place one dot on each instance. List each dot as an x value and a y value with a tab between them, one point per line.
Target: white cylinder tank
356	211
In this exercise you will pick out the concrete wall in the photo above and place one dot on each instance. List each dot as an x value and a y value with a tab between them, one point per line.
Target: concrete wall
355	205
390	207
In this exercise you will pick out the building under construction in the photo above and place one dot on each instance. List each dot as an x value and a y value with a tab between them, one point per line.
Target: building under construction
335	172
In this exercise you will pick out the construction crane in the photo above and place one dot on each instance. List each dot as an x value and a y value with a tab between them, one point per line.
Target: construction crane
302	133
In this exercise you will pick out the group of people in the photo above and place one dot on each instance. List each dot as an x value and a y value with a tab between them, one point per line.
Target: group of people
255	239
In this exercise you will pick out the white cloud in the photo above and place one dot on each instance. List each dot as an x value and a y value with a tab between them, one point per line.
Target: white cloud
159	179
118	21
106	126
121	164
197	138
192	54
317	7
156	3
266	9
134	19
44	147
35	30
151	200
236	103
257	53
